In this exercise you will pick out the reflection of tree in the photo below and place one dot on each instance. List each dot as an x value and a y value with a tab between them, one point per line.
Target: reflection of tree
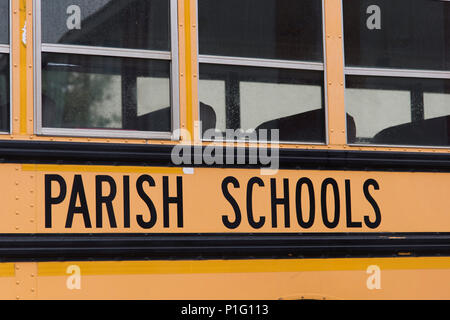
85	92
83	100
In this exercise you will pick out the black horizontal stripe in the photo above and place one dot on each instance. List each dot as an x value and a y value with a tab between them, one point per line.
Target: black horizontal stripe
50	152
79	247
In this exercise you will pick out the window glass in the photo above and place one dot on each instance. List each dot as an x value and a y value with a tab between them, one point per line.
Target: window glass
4	93
129	24
86	92
261	67
399	111
4	22
4	67
107	65
410	34
272	29
266	98
398	71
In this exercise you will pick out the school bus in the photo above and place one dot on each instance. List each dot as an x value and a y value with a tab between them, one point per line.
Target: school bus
238	149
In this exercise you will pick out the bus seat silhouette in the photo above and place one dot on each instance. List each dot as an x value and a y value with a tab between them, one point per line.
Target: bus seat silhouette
425	132
306	127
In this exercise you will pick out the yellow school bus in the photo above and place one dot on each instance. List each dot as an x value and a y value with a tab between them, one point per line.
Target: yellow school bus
238	149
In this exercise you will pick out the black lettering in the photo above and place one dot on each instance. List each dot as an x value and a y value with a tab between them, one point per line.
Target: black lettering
100	199
151	207
312	203
373	203
337	207
280	202
348	206
126	201
232	201
49	200
178	200
78	192
251	220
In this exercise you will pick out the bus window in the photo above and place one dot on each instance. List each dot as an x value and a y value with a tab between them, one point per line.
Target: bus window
4	67
108	68
261	67
398	71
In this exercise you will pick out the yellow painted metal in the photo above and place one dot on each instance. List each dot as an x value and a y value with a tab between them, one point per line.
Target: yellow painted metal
191	67
407	201
25	281
16	44
182	65
335	72
48	269
422	196
24	84
399	278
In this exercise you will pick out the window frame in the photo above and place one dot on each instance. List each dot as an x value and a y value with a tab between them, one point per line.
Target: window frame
391	73
270	63
171	56
7	49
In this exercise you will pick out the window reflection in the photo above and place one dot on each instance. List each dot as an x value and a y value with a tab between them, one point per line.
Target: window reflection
4	21
266	98
399	111
4	93
103	92
410	34
263	66
130	24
